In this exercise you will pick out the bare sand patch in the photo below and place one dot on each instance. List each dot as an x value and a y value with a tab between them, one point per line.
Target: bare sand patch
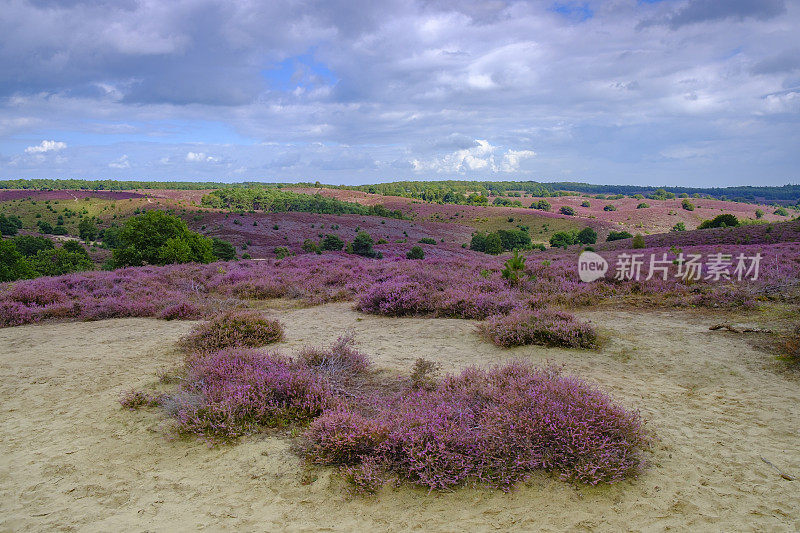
72	459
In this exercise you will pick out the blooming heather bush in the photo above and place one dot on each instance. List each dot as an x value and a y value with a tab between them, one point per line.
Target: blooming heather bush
340	359
181	311
545	327
234	392
490	427
233	328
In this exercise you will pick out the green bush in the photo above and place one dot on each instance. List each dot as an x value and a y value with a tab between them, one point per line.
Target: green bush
513	268
87	229
638	242
362	245
567	210
610	207
643	205
416	252
759	213
541	205
13	264
562	239
687	205
680	226
332	242
60	261
720	221
586	203
222	249
28	245
9	225
45	227
618	235
157	238
427	240
282	252
781	212
311	247
587	236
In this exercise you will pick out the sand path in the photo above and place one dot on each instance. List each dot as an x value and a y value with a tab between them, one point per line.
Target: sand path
72	460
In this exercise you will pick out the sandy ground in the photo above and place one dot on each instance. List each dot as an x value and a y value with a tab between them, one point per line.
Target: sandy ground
72	459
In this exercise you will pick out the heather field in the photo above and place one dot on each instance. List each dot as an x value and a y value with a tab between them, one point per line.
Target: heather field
340	366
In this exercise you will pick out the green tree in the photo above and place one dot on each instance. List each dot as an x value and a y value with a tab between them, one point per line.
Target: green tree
332	242
13	264
618	235
680	226
157	238
29	245
87	229
513	268
494	244
567	210
587	236
222	249
562	239
638	242
10	225
759	213
59	261
362	245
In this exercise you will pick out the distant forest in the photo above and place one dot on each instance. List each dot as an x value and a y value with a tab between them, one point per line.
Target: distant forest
450	191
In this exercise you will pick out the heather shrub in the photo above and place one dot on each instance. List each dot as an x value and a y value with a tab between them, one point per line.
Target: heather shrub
134	399
544	327
492	428
180	311
340	359
790	348
233	329
234	392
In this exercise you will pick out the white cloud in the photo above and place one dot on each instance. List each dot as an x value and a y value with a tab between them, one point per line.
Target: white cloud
482	157
200	157
46	146
122	162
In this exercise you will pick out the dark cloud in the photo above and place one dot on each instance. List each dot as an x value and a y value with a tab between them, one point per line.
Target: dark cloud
696	11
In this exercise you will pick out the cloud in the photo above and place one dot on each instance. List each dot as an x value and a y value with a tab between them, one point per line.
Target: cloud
347	91
481	157
46	146
120	163
200	157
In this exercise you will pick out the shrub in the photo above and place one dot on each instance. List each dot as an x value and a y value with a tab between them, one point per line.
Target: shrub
87	229
311	247
567	210
541	205
222	249
9	225
180	311
587	236
790	348
618	235
427	240
13	264
586	203
332	242
680	226
494	244
638	242
282	252
234	392
726	220
58	261
643	205
134	399
157	238
610	207
562	239
759	213
544	327
491	427
362	245
45	227
687	205
423	374
233	329
416	252
781	212
338	361
28	245
513	268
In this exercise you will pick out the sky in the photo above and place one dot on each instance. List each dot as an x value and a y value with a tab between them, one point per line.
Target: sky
648	92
